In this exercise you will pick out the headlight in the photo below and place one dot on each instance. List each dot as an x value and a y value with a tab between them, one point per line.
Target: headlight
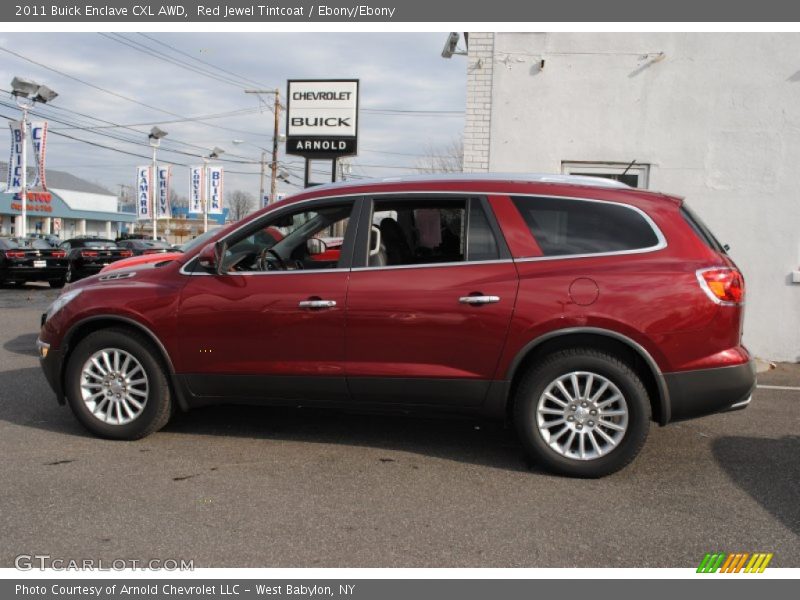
61	302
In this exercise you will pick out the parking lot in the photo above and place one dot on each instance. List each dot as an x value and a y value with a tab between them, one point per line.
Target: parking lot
248	486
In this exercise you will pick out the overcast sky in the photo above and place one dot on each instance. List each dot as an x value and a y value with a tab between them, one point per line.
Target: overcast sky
398	71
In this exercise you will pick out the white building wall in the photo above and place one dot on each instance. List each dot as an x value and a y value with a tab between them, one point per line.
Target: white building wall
479	102
717	117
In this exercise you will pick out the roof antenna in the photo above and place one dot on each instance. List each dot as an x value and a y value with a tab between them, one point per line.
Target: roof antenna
628	168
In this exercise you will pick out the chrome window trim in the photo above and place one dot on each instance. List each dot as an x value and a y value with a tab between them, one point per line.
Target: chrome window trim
662	242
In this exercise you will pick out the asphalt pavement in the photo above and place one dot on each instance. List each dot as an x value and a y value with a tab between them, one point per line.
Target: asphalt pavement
266	487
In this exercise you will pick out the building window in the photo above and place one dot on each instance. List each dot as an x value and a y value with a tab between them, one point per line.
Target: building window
637	175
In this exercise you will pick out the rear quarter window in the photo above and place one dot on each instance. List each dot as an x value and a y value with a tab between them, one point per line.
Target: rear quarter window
564	227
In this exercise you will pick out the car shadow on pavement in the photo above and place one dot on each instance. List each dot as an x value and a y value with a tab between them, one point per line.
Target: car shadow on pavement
26	400
22	344
745	461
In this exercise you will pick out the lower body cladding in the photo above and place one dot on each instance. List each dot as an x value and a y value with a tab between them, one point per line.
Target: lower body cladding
691	394
706	391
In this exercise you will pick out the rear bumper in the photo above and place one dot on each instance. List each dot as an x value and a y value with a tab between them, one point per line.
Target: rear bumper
52	273
706	391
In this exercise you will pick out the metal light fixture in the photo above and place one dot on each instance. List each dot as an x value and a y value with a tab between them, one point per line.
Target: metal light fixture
451	46
216	151
23	87
156	133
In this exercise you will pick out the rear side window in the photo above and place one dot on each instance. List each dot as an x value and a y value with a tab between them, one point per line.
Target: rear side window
564	226
481	243
702	231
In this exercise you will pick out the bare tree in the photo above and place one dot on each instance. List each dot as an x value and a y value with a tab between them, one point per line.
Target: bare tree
176	199
240	204
447	158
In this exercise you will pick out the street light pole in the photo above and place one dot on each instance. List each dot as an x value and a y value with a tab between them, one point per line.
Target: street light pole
154	137
261	185
27	93
23	227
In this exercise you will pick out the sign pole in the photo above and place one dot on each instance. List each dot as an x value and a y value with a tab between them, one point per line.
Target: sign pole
153	192
204	194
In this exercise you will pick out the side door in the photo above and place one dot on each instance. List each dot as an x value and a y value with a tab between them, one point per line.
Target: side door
430	301
270	325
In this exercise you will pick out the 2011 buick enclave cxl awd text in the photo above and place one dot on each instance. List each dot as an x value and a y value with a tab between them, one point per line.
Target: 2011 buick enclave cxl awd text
578	308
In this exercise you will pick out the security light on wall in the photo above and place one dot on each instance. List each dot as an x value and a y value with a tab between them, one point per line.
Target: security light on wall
451	46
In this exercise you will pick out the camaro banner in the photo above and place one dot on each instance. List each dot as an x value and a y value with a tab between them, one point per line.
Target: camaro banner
143	191
14	180
215	190
196	185
164	179
39	140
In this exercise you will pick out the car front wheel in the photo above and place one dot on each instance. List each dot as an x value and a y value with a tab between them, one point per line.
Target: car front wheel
582	413
116	385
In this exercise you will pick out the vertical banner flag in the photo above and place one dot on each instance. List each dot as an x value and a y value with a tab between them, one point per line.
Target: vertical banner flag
39	140
215	190
164	178
14	181
196	184
143	192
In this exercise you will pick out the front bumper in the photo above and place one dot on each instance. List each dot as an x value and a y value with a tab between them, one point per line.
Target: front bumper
50	361
706	391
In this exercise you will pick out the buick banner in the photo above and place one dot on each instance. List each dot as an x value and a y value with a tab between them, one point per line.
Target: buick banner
215	190
14	180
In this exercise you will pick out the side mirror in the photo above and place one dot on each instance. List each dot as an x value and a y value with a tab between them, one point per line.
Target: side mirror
374	241
210	257
315	246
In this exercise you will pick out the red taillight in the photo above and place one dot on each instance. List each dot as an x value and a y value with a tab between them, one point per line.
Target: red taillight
59	254
88	253
15	254
126	253
723	285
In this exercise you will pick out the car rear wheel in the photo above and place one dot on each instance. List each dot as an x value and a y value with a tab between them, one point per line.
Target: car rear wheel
116	385
582	413
69	276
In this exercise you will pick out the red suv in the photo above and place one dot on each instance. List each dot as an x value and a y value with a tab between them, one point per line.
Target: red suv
577	307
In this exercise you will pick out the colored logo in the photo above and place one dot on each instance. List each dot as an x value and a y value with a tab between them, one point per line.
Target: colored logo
734	563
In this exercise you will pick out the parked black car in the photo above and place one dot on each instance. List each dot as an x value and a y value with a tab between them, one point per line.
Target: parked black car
139	247
31	259
86	256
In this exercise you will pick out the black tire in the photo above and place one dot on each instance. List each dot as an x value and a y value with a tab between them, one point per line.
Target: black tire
537	380
69	276
59	283
158	406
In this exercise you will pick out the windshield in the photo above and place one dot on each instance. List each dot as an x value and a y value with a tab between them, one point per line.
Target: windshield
102	244
198	241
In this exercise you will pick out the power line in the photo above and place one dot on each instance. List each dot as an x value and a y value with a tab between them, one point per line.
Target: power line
115	94
173	48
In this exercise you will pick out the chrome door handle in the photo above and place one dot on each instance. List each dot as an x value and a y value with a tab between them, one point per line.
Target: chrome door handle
479	299
317	303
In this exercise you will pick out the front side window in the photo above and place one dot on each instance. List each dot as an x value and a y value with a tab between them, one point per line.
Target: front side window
565	227
301	240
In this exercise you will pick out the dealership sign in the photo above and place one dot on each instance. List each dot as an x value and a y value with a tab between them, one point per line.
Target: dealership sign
143	191
14	180
39	140
214	190
197	176
322	118
164	178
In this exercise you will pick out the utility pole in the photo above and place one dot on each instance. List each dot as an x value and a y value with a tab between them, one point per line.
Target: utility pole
273	186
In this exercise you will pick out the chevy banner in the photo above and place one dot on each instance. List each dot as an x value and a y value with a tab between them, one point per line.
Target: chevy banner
14	179
164	179
214	190
143	191
196	186
39	141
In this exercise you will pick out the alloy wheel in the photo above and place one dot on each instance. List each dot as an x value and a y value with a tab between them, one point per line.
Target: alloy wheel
114	386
